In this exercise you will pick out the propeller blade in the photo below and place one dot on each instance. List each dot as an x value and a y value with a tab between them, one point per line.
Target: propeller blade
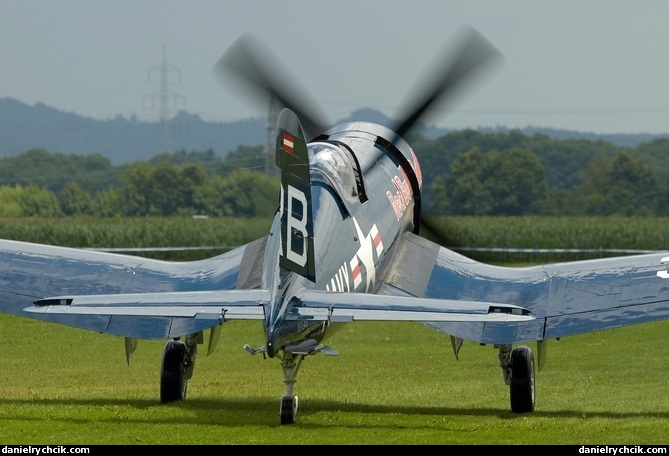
252	64
473	53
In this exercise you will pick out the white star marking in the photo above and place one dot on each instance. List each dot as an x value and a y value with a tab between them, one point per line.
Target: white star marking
366	255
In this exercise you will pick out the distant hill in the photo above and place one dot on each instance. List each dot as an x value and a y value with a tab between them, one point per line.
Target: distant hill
122	140
24	127
431	132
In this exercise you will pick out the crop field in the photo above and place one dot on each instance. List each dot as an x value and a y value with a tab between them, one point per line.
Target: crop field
392	383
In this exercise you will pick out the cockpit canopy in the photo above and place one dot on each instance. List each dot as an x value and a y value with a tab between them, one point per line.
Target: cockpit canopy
334	162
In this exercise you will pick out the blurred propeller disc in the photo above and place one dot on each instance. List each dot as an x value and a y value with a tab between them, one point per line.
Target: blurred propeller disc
472	54
248	61
252	64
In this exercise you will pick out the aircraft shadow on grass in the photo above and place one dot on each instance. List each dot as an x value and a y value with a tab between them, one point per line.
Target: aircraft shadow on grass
262	411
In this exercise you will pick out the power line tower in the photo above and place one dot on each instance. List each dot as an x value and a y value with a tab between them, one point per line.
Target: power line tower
273	113
164	95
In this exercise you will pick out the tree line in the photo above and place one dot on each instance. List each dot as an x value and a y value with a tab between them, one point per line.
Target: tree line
39	183
464	173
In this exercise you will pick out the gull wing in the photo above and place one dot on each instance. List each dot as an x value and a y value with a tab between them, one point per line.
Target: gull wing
75	286
564	298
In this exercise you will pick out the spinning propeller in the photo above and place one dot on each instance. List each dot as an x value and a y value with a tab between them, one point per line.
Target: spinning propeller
473	53
249	62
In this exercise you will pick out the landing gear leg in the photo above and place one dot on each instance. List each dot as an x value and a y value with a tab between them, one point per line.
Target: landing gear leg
505	362
290	365
192	340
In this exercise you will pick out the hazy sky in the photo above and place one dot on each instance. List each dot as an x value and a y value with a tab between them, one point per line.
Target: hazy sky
596	66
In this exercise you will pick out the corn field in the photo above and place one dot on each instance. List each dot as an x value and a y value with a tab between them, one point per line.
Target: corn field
205	236
188	238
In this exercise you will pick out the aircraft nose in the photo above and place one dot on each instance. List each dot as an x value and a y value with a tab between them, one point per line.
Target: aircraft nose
270	349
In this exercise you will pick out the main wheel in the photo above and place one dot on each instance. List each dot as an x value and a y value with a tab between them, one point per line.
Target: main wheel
172	378
522	380
288	409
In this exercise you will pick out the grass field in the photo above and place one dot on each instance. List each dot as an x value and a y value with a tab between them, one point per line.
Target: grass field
393	383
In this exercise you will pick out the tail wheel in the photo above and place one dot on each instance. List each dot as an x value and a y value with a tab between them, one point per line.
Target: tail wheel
172	372
522	380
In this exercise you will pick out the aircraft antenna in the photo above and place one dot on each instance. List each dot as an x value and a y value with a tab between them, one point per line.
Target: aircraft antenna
164	96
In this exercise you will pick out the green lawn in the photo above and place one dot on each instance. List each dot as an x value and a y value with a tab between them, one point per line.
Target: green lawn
393	383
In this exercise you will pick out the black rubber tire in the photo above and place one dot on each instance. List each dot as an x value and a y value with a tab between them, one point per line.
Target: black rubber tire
522	380
172	379
288	410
